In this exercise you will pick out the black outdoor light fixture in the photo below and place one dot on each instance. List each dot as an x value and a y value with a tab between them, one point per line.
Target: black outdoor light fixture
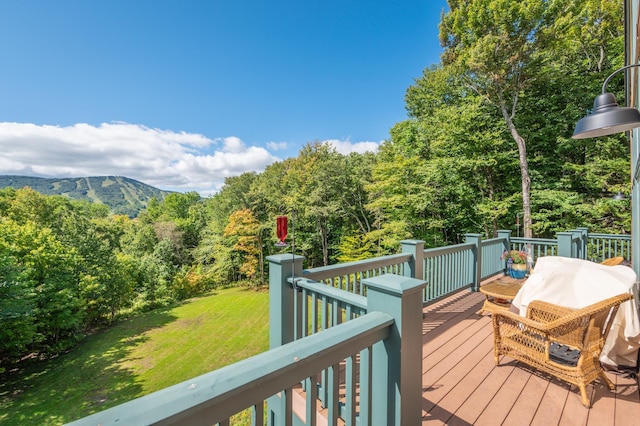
607	117
619	196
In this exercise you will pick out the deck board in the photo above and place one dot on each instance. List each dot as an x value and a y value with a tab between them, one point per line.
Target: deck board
463	386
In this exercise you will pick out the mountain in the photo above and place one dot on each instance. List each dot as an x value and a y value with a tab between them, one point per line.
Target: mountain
121	194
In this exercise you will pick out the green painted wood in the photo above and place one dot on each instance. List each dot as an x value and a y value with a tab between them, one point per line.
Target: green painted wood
257	415
333	388
603	246
365	387
565	244
584	239
476	261
414	267
506	235
388	381
396	388
215	396
281	294
288	407
349	414
343	269
311	387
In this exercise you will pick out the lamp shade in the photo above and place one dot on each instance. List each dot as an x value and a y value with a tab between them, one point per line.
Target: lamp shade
607	118
619	196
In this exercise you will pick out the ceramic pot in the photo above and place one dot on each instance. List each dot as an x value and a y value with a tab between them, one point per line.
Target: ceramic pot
518	270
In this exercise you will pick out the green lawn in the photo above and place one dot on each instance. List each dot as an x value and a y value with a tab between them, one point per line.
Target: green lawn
138	356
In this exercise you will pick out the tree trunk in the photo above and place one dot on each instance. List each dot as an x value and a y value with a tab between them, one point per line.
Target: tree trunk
261	261
491	195
325	241
524	172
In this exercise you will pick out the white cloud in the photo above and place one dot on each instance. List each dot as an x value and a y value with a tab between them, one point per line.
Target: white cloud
165	159
176	161
233	144
347	147
277	146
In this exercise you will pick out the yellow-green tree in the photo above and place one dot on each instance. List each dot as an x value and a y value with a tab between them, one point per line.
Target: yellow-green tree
243	230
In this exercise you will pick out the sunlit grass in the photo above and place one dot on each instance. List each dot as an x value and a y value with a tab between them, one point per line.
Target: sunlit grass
137	357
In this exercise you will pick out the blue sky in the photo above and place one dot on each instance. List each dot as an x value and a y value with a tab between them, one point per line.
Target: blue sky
181	94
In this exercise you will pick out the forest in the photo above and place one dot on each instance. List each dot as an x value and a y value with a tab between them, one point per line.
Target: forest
486	145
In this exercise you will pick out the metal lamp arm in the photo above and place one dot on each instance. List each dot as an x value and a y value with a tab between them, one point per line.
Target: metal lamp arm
604	85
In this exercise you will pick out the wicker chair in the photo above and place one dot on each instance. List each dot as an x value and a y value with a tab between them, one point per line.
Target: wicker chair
612	261
561	341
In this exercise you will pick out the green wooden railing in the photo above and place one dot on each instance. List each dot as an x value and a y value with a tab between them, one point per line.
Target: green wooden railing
311	307
603	246
348	276
320	307
577	243
214	397
364	318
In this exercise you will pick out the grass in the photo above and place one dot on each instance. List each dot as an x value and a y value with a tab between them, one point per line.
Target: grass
137	357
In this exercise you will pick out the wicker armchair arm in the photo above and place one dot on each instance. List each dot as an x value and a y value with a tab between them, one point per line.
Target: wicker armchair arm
546	312
566	330
512	317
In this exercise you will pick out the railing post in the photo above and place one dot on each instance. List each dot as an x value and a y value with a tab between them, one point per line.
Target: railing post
281	294
506	235
565	242
476	268
281	316
397	361
584	239
415	267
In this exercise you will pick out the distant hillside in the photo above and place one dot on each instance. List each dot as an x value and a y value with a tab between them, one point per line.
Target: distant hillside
121	194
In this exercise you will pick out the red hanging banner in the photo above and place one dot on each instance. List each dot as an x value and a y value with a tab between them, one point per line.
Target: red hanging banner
281	229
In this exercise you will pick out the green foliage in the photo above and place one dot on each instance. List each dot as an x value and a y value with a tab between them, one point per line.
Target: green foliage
191	282
42	310
355	247
243	232
67	266
137	357
18	326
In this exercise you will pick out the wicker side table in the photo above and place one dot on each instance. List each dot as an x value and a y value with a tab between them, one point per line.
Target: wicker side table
500	293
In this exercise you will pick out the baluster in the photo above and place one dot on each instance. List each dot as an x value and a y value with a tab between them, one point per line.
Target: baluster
257	414
288	406
333	386
311	385
364	414
350	391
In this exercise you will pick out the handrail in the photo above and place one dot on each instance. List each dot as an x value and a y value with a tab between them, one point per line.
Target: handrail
537	241
213	397
610	236
333	293
439	251
536	247
332	271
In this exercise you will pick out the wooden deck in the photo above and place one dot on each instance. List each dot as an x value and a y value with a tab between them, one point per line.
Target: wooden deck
463	386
